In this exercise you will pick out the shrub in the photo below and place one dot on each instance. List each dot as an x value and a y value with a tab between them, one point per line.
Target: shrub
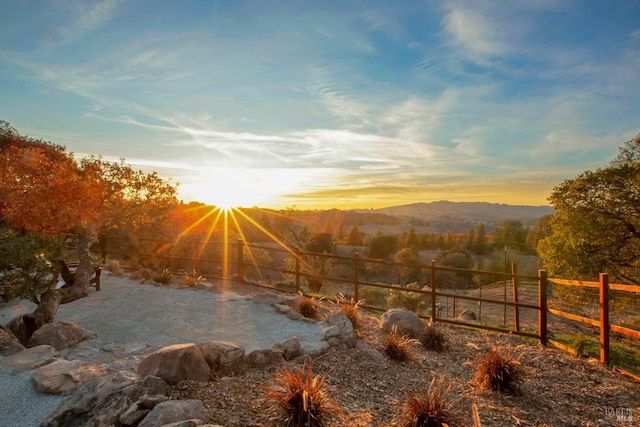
497	371
113	266
308	307
192	279
433	338
432	409
350	307
398	346
300	395
374	296
163	277
25	260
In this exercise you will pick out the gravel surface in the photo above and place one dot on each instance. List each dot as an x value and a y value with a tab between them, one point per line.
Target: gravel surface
134	315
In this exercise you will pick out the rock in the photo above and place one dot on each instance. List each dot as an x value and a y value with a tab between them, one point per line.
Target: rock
268	298
347	333
22	327
133	415
138	410
289	347
406	322
265	358
176	363
31	358
65	377
186	423
375	355
59	335
467	315
315	349
281	308
9	344
172	411
294	315
103	401
224	358
332	332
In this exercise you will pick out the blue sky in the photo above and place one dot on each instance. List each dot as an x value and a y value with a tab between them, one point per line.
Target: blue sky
330	103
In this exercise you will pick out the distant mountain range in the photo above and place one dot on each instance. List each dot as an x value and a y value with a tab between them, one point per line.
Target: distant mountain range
459	217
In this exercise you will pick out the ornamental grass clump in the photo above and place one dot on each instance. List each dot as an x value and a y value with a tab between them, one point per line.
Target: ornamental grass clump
163	277
301	396
192	279
433	408
308	307
350	307
398	346
433	338
498	371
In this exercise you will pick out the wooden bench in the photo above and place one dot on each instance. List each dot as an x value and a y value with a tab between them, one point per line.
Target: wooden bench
68	269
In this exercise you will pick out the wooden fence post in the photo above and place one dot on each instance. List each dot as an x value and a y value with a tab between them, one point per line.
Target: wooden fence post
240	261
516	311
542	303
356	277
433	291
604	318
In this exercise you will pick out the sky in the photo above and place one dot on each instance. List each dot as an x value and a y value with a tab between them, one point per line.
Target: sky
322	104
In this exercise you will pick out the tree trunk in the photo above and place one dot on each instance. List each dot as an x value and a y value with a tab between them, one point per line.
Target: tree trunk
80	287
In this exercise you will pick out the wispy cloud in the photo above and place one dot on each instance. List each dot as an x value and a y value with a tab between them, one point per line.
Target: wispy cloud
81	17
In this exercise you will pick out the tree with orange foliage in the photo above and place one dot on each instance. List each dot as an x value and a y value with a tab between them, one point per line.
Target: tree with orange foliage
44	190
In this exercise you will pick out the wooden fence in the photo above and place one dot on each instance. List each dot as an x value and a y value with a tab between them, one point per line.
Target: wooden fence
238	264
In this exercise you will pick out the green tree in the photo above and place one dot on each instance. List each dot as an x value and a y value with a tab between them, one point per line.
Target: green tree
354	238
595	226
411	240
481	245
382	246
409	273
470	243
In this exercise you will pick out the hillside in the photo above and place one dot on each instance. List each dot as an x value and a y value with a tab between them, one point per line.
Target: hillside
458	217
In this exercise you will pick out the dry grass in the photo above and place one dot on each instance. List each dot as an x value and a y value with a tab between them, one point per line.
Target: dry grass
350	307
434	408
308	307
299	396
498	370
433	338
192	279
398	346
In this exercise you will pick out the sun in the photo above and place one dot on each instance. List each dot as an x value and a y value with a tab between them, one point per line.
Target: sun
228	188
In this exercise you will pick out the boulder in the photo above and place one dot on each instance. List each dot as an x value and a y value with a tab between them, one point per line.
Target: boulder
290	348
24	325
267	358
315	349
406	322
103	401
9	344
31	358
138	410
65	377
339	320
172	411
224	358
176	363
59	335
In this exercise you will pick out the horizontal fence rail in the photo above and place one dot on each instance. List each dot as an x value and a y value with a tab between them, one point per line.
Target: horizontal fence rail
522	300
